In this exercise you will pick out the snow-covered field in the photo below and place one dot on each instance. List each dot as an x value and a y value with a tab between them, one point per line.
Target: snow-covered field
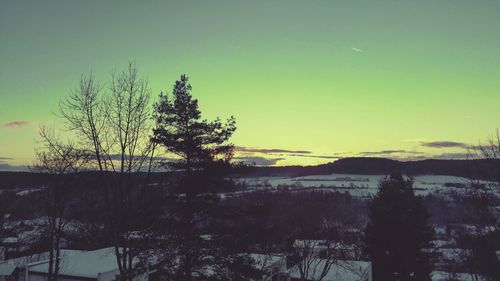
356	185
445	276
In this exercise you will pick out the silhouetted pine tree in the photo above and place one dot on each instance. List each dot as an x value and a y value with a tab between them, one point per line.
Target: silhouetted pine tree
397	233
180	129
483	259
197	251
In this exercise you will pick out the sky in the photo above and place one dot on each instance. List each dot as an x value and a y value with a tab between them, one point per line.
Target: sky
307	81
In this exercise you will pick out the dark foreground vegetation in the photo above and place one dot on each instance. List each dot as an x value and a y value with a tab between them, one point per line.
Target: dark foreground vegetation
472	168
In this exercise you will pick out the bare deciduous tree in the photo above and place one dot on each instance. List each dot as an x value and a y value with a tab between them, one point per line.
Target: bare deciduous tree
491	153
481	259
61	160
482	195
315	258
113	125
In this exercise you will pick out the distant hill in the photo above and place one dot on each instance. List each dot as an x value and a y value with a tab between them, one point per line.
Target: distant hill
370	166
13	180
379	166
10	180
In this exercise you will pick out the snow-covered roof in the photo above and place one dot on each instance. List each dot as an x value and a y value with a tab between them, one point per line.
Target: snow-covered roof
315	244
87	264
454	255
6	268
44	256
321	245
299	243
10	240
261	261
439	243
339	270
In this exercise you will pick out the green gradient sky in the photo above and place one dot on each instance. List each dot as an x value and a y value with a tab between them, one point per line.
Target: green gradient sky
325	76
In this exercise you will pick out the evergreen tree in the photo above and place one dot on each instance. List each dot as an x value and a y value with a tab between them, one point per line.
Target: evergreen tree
398	232
203	154
180	129
482	260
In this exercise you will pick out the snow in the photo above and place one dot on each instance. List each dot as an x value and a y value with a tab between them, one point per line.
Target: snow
356	185
10	240
440	243
86	264
28	191
320	245
340	270
445	276
6	268
453	255
41	257
261	261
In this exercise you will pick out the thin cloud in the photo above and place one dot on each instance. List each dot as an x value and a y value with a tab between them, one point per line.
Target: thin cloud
386	152
315	156
16	124
357	50
4	158
444	144
442	156
268	150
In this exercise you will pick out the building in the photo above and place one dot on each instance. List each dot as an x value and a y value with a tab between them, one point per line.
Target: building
7	272
9	245
272	266
75	265
327	249
12	269
338	270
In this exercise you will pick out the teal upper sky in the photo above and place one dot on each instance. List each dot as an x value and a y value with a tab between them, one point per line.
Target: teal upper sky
330	77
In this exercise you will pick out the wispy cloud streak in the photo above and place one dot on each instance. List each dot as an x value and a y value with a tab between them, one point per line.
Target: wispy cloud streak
15	124
386	152
268	150
316	156
445	144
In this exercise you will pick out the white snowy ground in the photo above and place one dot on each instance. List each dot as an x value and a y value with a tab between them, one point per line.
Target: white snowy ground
445	276
356	185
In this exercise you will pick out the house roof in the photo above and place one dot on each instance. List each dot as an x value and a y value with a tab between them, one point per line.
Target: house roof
40	257
300	243
321	245
87	264
6	268
339	270
10	240
261	261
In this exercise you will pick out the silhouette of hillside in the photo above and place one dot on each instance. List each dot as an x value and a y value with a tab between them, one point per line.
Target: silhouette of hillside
381	166
370	166
13	180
